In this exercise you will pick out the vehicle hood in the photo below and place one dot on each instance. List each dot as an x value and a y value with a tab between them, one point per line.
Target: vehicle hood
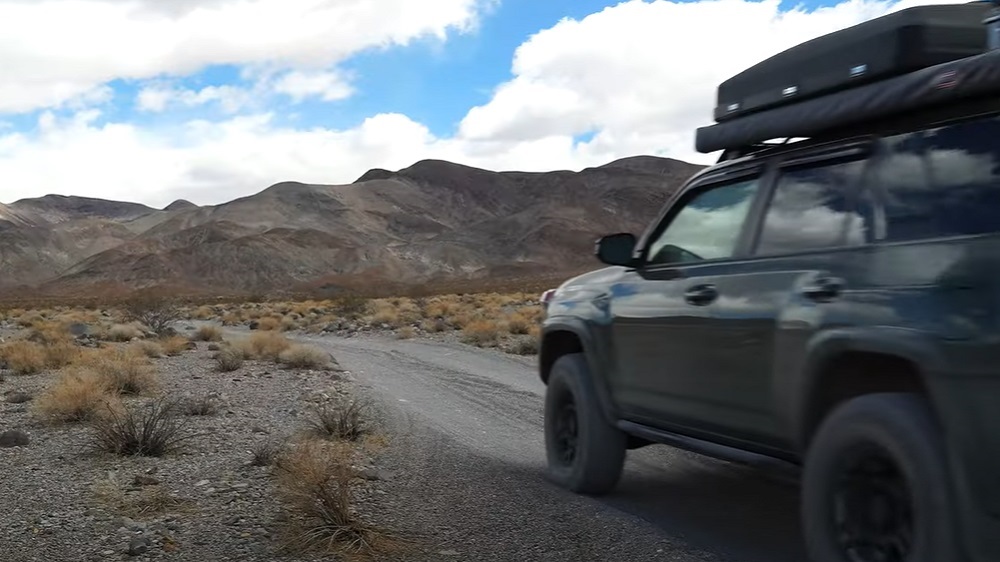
602	276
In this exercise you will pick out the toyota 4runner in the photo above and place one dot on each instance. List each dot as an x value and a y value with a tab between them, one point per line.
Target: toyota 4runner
830	303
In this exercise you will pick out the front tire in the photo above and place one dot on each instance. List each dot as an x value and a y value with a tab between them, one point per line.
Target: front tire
876	485
585	453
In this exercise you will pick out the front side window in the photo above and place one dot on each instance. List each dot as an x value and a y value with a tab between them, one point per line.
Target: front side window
942	182
707	227
811	209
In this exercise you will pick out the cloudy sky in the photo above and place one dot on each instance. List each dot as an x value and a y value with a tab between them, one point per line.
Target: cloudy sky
208	100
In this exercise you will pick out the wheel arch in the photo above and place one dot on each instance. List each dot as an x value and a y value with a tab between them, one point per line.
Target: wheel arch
849	363
564	336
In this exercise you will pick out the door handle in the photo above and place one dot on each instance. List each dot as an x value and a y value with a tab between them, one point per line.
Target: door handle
701	295
824	288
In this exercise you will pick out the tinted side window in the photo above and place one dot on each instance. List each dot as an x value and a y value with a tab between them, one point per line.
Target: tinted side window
707	226
811	209
943	182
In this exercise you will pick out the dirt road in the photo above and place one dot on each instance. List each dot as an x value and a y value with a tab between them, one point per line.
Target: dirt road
466	473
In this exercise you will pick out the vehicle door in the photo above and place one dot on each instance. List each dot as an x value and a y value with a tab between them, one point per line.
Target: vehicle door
660	311
806	255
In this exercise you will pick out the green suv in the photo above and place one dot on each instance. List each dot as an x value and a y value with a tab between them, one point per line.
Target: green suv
830	303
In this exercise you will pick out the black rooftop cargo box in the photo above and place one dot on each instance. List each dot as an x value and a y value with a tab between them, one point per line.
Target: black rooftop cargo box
877	49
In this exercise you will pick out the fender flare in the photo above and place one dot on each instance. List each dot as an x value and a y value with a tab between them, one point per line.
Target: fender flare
578	328
910	345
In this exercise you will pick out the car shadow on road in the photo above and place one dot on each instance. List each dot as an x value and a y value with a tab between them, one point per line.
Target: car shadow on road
739	512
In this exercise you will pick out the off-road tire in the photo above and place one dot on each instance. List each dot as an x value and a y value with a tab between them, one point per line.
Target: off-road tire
899	429
596	465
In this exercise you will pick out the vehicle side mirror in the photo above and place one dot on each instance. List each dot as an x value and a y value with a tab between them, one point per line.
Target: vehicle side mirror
616	249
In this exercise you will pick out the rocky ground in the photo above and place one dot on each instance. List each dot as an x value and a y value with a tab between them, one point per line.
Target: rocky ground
208	501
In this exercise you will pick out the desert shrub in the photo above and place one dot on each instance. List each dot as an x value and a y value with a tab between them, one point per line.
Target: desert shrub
153	429
122	333
60	354
174	345
351	307
207	333
314	487
30	319
203	312
77	395
268	324
150	349
24	357
268	345
482	332
232	318
406	332
524	345
156	312
203	406
264	453
300	356
229	359
49	333
519	324
123	369
346	420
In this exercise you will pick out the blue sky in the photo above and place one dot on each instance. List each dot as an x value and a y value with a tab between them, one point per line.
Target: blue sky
215	99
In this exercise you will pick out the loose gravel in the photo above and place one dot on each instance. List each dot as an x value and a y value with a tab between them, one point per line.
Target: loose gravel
64	501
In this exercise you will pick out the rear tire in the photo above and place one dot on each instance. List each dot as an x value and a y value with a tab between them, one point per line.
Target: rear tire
876	485
585	453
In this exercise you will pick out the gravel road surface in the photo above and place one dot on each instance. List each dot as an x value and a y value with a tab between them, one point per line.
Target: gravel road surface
466	472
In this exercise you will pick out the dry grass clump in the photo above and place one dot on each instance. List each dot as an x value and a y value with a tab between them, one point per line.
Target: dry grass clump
207	405
300	356
264	453
483	332
122	333
61	354
149	348
78	395
229	358
232	318
268	324
314	485
153	429
124	370
24	357
344	420
406	333
174	345
49	333
266	345
207	333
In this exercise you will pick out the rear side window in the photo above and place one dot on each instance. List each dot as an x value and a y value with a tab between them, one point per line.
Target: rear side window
942	182
812	209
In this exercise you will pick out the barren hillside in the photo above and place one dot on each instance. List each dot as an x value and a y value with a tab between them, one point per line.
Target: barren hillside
429	220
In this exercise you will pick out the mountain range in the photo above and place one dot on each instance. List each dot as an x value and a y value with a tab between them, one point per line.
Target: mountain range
431	221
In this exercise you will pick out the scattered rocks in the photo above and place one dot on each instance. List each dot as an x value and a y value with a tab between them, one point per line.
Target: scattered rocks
205	502
17	397
139	546
144	480
14	438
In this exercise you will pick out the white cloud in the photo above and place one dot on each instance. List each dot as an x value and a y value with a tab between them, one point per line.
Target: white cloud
640	76
158	98
326	85
644	74
56	50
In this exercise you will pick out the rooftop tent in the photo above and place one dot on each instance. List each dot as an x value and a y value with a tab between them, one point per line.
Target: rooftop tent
905	61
